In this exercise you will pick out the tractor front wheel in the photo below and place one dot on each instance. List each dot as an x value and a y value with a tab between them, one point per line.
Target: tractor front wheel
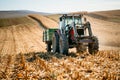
93	47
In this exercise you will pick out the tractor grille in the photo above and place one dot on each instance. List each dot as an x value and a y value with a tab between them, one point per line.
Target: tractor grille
80	31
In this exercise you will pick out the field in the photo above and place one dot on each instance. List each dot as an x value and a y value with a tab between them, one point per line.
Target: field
111	16
17	38
23	55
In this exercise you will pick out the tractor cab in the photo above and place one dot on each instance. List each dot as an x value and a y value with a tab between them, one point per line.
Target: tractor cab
73	25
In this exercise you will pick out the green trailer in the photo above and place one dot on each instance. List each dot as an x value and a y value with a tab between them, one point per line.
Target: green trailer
47	37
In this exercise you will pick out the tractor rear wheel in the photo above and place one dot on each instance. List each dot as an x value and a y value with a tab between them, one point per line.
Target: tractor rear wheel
63	44
93	47
55	42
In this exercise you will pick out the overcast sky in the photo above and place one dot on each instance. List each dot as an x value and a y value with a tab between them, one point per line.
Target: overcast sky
59	5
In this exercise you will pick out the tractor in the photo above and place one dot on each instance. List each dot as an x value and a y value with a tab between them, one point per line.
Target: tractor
74	32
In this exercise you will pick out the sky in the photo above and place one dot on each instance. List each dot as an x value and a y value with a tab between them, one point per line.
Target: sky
55	6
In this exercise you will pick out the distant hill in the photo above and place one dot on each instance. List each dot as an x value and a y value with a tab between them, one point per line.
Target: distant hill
111	15
18	13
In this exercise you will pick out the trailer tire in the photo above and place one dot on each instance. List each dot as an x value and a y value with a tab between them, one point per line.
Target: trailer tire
55	42
48	47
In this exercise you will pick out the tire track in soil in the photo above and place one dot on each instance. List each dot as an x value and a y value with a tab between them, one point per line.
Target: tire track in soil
42	28
18	39
8	46
3	39
39	22
23	38
11	42
13	33
28	39
34	38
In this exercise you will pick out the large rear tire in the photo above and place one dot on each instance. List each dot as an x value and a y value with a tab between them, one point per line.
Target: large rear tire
55	42
63	44
93	48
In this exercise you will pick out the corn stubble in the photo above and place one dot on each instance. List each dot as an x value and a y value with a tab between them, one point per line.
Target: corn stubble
47	66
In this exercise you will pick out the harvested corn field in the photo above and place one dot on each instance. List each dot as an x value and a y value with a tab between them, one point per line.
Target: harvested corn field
49	66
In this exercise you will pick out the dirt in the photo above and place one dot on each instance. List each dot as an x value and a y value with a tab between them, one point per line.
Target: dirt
17	39
108	33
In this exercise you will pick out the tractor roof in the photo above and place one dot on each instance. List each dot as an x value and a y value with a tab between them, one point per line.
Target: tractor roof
70	16
75	14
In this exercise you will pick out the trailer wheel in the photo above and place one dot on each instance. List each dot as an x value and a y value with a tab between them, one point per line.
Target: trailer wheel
93	47
48	47
63	45
55	42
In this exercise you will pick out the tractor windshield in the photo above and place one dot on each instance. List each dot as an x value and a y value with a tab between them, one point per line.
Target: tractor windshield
69	20
78	21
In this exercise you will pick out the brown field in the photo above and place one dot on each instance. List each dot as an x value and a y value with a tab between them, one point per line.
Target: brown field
23	56
48	23
18	13
111	16
54	17
107	32
17	38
